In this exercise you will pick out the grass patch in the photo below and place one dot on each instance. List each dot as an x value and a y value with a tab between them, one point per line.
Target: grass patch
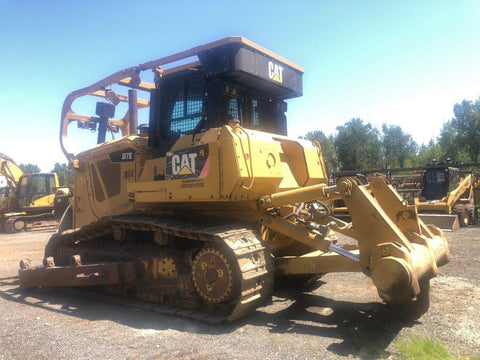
422	349
369	344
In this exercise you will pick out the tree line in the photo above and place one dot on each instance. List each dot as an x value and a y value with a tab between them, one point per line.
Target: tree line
360	146
63	171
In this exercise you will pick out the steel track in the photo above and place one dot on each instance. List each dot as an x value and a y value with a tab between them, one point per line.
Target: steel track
249	252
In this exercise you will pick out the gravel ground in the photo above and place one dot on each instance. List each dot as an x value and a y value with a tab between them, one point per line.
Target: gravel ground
343	318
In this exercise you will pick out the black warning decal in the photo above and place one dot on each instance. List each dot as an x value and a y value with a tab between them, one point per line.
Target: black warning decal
188	163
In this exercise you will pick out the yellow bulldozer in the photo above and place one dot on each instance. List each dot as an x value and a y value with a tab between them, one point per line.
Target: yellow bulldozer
210	203
29	200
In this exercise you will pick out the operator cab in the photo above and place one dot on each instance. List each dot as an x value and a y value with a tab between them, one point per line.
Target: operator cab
233	82
32	187
438	181
232	79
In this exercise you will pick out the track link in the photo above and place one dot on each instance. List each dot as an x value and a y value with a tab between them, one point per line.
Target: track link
254	264
19	223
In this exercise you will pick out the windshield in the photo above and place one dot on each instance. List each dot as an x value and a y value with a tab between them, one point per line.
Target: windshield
435	184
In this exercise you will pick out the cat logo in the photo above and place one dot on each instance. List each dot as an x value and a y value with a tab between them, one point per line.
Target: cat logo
183	164
275	72
190	163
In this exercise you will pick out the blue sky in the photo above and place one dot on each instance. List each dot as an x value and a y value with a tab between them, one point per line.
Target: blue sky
405	63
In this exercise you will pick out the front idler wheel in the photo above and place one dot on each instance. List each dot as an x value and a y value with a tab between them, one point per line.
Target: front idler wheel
15	225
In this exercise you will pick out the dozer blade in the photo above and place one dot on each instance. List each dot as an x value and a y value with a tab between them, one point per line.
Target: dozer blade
443	221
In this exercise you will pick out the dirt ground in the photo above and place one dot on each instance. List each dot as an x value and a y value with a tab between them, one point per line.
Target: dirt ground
343	318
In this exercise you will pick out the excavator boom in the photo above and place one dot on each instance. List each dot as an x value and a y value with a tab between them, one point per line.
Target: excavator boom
11	171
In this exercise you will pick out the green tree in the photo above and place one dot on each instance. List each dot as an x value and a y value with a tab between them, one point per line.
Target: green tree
64	173
398	147
328	148
358	146
29	168
449	143
466	125
427	153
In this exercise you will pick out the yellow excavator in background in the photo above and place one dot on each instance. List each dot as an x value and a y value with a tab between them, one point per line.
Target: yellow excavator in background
29	200
208	204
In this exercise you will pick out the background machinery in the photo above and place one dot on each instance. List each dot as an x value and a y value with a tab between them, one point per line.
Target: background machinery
211	202
446	194
447	197
29	200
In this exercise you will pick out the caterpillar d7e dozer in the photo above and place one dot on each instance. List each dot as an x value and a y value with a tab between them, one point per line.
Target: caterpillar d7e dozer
211	202
30	201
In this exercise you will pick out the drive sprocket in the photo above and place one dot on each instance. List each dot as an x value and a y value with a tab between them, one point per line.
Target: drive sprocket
213	276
